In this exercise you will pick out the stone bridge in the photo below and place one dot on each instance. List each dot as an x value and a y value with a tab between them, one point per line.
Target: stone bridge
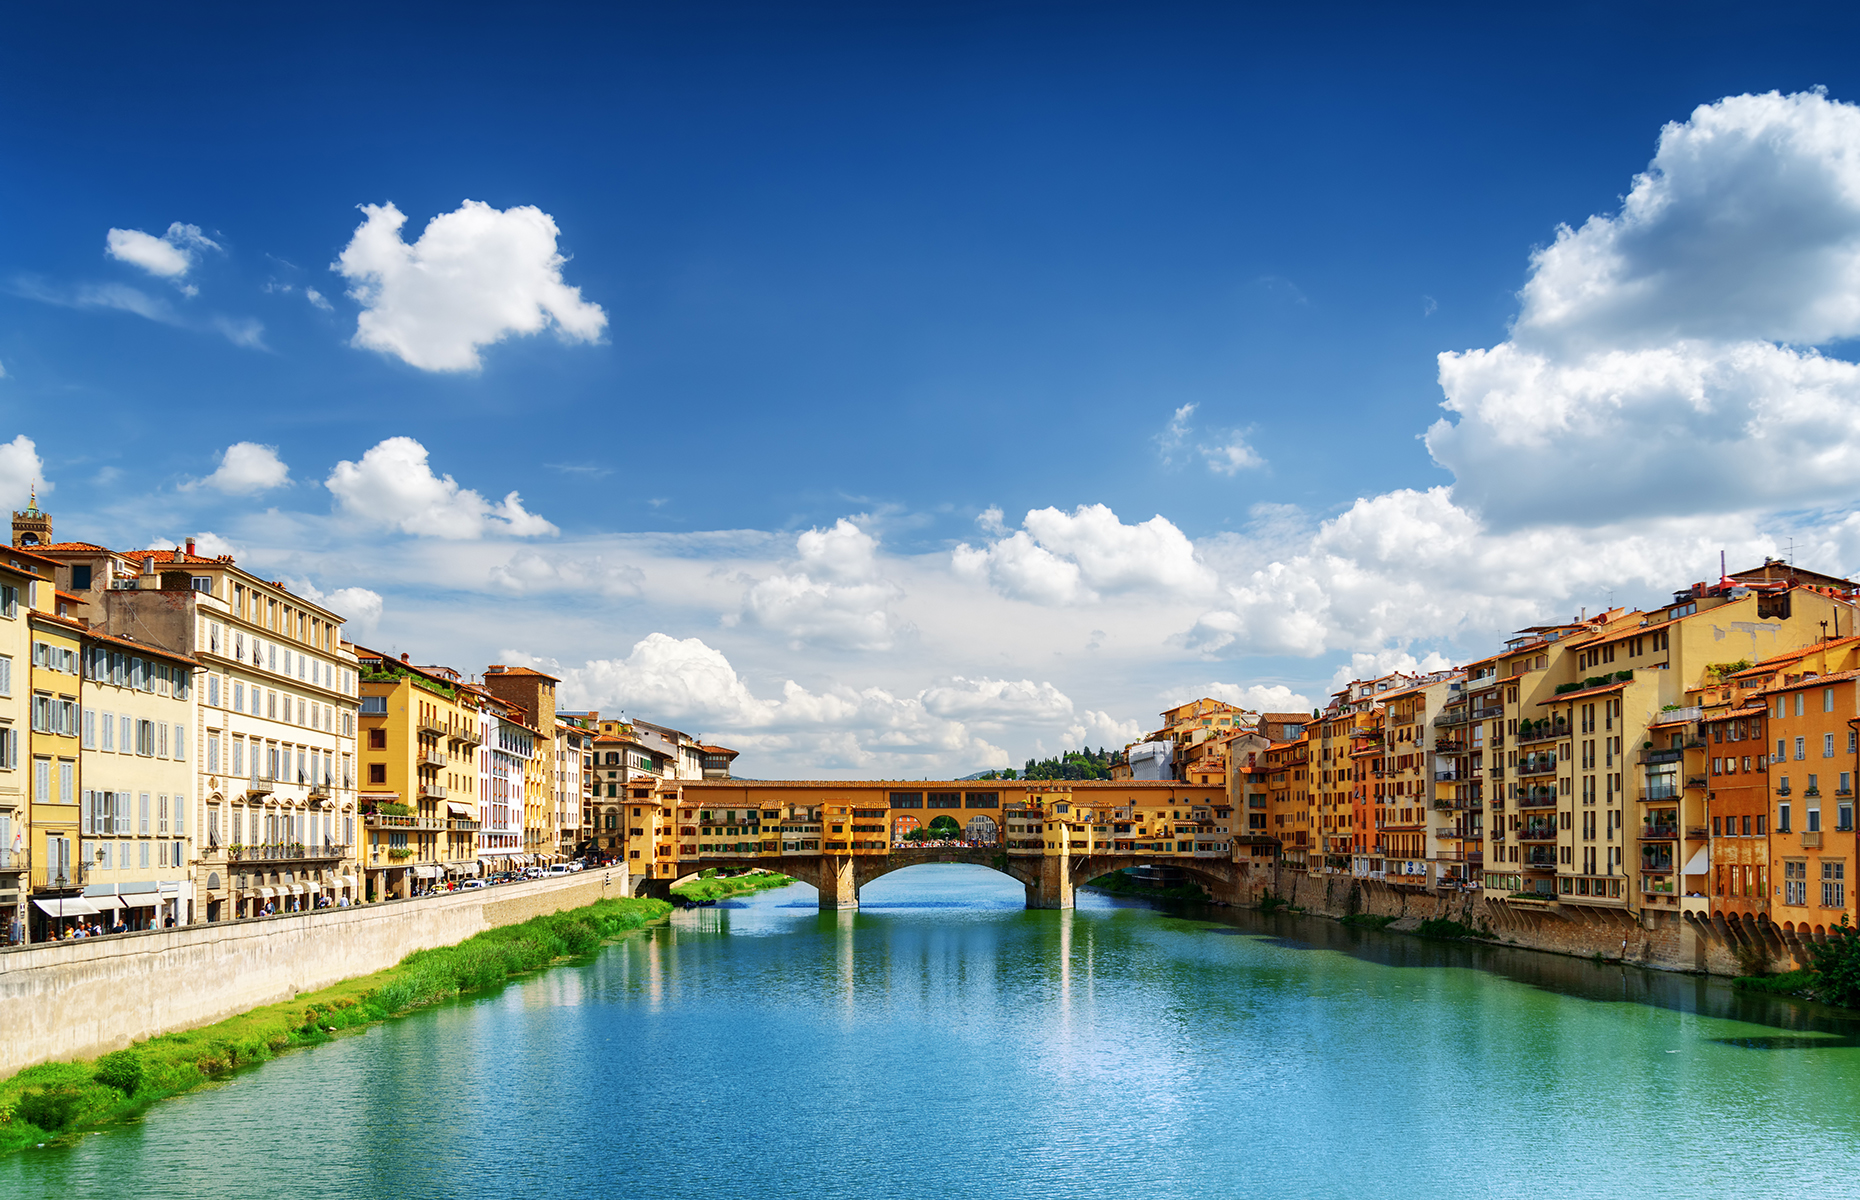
1049	879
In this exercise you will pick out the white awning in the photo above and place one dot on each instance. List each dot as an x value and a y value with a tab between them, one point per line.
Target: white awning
1699	863
348	881
459	808
426	872
70	906
267	893
139	900
104	903
298	889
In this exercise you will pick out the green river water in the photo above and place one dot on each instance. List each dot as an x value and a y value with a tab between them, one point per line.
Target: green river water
943	1042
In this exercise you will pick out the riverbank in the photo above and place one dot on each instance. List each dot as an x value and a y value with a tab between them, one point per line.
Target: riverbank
1119	884
57	1101
712	886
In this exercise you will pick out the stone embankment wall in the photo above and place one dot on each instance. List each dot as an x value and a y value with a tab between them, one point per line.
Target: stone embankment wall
78	999
1666	941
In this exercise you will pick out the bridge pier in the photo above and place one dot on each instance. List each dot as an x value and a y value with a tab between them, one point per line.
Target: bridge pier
1053	888
838	883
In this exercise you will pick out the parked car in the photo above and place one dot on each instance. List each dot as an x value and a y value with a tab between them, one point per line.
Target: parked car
558	869
470	884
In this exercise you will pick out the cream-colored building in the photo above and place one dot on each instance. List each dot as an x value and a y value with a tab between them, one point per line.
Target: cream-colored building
20	577
274	739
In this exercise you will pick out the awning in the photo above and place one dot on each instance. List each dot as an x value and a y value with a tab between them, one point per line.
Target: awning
268	893
140	900
348	881
1699	863
70	906
459	808
104	903
426	872
298	889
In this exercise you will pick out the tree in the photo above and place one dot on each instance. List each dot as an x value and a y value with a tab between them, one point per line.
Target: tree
944	827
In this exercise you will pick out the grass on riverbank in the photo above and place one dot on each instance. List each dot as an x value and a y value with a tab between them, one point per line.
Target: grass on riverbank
57	1101
712	886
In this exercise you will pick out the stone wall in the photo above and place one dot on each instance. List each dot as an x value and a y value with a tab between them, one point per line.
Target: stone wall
79	999
1665	941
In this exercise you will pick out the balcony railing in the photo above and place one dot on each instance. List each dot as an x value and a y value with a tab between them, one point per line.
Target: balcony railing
284	852
1537	798
1537	764
14	860
1542	862
260	787
433	791
1695	782
1650	757
1544	733
1487	714
434	758
430	725
1656	794
1451	718
1537	833
1659	833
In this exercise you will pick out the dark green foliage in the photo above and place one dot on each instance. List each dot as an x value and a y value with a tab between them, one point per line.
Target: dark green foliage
1834	968
1446	930
1790	983
1073	764
1270	903
48	1110
121	1070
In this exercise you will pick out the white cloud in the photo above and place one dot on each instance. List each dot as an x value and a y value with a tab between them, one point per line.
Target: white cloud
170	256
359	607
474	277
1663	360
120	297
529	571
832	597
946	728
394	486
246	468
1257	697
20	469
1078	557
1226	452
317	301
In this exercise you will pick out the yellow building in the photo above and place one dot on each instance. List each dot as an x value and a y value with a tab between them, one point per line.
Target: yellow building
53	754
533	692
21	577
420	776
137	803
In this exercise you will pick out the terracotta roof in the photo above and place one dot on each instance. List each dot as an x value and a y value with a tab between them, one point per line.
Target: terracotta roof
1807	682
719	750
141	647
69	546
501	669
1288	718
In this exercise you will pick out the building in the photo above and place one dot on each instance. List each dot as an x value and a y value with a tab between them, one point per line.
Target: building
137	807
274	738
420	775
533	692
22	576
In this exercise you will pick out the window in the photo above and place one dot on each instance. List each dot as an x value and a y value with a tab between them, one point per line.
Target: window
90	730
1814	820
377	739
6	675
1782	818
1827	745
1798	704
1827	699
142	803
213	753
1801	748
1833	884
377	772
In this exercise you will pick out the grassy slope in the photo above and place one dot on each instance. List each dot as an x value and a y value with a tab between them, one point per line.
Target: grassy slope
58	1100
712	887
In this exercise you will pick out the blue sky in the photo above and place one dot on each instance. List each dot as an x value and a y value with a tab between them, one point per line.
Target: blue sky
857	291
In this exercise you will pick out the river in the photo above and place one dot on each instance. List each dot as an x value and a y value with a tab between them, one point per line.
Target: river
943	1042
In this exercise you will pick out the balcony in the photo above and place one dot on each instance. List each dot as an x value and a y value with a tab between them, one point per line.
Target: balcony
1658	795
1446	776
1542	733
1697	833
434	758
260	787
1652	757
1694	782
430	725
1659	833
285	852
432	791
1537	764
1448	745
1488	714
1540	862
1537	798
14	860
466	735
1450	718
1537	833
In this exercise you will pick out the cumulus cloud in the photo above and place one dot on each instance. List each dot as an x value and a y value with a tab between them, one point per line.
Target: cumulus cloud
1082	556
474	277
831	596
1257	697
170	256
20	469
394	486
951	726
359	607
246	468
1664	359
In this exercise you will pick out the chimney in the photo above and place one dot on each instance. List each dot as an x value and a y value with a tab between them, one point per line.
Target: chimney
190	547
404	657
148	565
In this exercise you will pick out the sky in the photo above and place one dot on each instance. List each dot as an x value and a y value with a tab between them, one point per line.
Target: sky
909	390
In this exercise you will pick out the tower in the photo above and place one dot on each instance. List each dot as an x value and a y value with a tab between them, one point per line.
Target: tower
32	527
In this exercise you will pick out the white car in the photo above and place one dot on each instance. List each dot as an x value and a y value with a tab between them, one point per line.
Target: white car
471	884
558	869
